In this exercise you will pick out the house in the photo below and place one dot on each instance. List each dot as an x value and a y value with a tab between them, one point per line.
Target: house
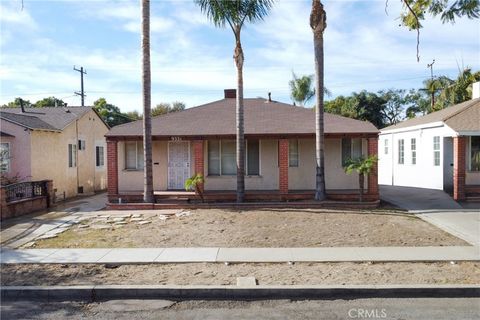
440	150
66	145
280	152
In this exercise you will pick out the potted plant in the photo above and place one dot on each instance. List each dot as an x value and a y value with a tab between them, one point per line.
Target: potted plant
363	166
195	183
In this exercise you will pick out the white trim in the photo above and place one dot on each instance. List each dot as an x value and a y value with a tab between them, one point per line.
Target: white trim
168	160
414	128
469	133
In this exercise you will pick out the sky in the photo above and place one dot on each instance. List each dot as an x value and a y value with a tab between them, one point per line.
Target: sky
192	60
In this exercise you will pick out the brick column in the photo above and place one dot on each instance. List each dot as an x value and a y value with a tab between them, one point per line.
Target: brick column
112	168
459	168
199	158
372	150
283	166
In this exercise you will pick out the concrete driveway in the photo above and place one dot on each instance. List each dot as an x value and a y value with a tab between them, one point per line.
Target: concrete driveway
437	208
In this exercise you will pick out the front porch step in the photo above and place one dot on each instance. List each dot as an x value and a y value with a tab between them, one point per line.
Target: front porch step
472	198
475	189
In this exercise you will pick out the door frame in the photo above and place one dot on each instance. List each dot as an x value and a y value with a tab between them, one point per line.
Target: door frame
168	159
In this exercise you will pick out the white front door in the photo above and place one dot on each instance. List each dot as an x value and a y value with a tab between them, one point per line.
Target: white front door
178	164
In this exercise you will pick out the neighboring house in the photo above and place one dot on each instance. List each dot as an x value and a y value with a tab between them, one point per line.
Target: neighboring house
280	151
66	145
440	150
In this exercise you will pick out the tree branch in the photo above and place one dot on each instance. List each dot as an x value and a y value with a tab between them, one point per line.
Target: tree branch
417	27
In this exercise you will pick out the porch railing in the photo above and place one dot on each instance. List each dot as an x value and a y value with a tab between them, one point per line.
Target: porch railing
25	190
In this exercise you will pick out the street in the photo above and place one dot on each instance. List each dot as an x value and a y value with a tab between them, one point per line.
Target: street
425	308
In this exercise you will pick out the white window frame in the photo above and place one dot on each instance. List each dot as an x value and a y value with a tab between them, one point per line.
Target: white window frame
137	168
7	161
246	159
385	145
72	153
298	153
401	151
81	144
343	161
470	155
413	150
102	159
436	151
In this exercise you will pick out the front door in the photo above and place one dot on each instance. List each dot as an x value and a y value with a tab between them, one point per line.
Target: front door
178	164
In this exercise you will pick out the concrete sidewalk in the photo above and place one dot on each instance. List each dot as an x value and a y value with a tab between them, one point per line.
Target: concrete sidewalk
252	255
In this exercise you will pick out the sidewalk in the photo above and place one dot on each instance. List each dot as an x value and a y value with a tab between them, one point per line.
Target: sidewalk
238	255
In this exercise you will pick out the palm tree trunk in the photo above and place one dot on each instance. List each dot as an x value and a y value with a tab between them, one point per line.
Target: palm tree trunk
361	179
318	24
146	89
240	145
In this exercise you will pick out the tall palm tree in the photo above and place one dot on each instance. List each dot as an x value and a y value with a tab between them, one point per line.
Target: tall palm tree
146	97
234	13
318	23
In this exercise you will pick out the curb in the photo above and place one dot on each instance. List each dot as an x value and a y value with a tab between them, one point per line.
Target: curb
107	292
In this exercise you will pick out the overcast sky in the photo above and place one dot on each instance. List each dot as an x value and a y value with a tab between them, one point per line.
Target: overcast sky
192	60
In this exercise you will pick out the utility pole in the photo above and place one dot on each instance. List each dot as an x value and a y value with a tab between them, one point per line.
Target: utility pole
82	92
430	65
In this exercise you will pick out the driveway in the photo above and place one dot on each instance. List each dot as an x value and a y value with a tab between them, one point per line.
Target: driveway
18	231
437	208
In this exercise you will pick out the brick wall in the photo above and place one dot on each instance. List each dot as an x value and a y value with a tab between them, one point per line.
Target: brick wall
199	158
283	165
459	168
372	149
112	167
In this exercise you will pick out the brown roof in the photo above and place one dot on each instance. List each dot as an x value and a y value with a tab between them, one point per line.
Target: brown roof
460	117
47	118
261	118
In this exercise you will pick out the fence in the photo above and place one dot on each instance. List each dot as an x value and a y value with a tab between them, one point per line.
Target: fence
25	190
25	197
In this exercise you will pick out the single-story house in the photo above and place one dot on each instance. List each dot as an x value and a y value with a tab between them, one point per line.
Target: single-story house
66	145
440	150
280	151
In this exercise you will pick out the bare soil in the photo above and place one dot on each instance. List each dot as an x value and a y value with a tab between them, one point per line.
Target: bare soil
220	274
260	228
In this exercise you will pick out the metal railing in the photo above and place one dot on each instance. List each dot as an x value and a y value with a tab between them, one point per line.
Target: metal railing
25	190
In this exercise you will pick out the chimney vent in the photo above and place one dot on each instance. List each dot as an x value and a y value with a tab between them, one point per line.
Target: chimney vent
476	90
21	106
230	93
269	97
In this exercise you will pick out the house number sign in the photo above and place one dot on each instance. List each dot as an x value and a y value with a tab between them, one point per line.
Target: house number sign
176	138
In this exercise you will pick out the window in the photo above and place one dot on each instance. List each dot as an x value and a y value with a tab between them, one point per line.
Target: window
72	155
253	158
413	147
5	157
134	155
222	157
99	157
385	143
293	153
401	152
436	150
351	149
81	144
475	153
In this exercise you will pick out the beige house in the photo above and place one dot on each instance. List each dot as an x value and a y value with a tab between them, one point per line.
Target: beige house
280	152
66	145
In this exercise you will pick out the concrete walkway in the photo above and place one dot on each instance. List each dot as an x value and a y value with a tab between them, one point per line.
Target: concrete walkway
19	231
184	255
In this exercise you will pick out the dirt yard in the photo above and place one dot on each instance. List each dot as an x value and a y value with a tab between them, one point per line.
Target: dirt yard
220	274
254	228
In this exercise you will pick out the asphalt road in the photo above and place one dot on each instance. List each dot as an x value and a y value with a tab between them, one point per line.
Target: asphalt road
425	309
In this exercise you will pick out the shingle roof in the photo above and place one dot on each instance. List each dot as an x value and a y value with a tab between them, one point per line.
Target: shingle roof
261	118
48	118
460	117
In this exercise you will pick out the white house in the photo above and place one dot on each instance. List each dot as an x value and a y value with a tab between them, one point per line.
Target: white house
440	150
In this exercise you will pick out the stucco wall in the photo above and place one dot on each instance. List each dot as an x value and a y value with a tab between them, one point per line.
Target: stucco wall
421	175
20	150
50	156
300	178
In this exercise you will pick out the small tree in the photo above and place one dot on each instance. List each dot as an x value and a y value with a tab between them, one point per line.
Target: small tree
363	166
195	183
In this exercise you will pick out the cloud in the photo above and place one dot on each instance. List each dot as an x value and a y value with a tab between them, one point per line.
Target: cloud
11	15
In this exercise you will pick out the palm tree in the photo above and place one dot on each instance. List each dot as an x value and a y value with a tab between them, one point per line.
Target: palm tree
363	166
318	23
301	89
147	92
234	13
